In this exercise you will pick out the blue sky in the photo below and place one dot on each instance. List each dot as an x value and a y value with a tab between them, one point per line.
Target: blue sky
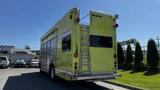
25	21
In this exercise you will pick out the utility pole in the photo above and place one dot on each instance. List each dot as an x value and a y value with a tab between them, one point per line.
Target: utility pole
158	39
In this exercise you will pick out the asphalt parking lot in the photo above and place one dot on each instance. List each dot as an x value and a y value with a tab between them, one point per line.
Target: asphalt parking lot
32	79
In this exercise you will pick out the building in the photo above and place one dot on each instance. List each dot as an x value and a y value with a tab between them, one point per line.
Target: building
14	54
5	49
21	54
36	53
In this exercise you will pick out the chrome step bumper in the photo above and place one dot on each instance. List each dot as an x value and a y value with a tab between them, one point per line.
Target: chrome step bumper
95	77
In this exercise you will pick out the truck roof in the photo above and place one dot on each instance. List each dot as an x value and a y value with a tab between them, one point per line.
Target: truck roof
54	26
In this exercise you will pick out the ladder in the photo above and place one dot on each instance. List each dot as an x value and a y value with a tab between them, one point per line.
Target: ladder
85	64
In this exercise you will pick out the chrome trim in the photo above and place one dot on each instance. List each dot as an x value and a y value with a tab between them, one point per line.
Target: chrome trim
64	71
93	77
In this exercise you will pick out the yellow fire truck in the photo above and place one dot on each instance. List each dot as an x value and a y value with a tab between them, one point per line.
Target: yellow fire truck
76	51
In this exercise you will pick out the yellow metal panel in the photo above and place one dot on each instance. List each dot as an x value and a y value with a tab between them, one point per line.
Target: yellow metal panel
102	59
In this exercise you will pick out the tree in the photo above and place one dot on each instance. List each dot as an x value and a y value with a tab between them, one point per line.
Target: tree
27	47
120	54
138	57
152	55
129	58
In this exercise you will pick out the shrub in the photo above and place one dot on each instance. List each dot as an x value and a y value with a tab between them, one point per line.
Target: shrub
152	55
138	57
129	58
120	54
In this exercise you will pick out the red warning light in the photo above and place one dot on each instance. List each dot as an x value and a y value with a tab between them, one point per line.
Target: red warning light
77	20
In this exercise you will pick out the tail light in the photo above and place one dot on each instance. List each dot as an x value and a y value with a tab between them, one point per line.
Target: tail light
77	20
75	65
115	64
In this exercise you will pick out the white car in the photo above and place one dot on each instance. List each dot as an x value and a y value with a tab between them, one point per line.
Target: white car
35	63
4	62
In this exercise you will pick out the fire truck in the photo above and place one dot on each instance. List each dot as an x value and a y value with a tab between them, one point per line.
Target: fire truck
75	51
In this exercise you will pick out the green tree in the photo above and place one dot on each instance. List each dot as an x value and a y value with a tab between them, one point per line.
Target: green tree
138	57
152	55
129	58
120	54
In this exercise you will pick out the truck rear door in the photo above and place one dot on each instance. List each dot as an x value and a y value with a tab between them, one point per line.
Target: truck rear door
102	43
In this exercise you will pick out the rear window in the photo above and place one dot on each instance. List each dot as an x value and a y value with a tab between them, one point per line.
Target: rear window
3	58
101	41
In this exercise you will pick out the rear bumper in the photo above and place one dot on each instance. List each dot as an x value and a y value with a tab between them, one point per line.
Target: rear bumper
97	77
34	65
19	65
68	75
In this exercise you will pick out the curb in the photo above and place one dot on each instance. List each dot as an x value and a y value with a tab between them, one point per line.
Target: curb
124	85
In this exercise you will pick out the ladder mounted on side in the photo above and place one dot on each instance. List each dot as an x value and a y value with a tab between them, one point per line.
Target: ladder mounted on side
85	64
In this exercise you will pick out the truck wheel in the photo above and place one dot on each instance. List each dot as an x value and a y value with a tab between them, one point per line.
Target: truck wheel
52	73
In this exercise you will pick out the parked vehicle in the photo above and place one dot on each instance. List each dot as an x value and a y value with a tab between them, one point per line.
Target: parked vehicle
4	62
34	63
19	63
76	51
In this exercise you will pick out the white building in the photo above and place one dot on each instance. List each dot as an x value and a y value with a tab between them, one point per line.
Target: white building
5	49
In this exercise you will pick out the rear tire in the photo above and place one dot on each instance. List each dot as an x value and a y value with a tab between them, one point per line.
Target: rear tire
52	73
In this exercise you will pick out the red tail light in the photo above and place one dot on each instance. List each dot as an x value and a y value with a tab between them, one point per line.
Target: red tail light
77	20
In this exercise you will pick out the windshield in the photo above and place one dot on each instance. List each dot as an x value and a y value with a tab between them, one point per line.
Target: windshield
3	58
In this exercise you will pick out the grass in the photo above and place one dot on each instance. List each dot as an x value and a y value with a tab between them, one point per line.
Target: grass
148	81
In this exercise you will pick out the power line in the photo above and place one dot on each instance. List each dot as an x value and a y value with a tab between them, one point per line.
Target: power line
85	16
158	44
